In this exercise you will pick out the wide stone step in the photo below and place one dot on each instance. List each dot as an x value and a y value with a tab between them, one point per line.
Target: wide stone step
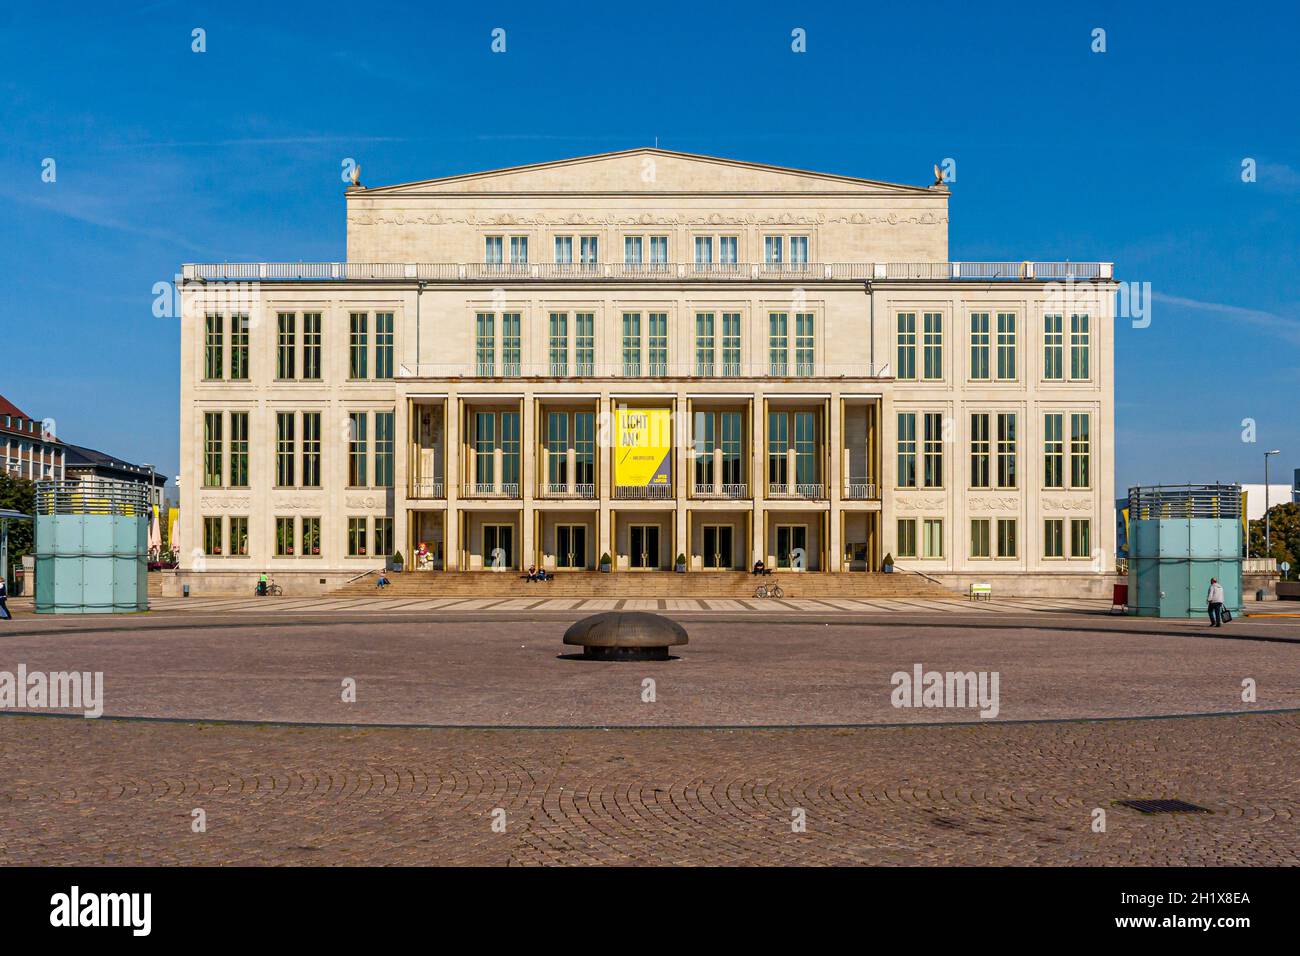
648	584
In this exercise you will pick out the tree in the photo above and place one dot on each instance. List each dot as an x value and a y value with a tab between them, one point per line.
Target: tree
1284	535
18	494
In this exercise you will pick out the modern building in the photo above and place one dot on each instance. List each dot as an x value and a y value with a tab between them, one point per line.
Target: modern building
644	354
90	466
31	450
1256	496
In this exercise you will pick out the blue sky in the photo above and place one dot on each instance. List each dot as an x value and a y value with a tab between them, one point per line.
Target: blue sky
1133	155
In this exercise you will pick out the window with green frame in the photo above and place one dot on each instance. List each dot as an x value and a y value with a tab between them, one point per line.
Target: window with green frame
584	343
356	537
239	347
485	448
384	445
284	537
905	366
1007	537
558	343
383	536
238	535
704	440
311	345
557	450
980	450
357	450
932	538
632	344
358	345
485	344
906	537
906	442
979	346
311	449
1080	538
932	451
1053	538
285	449
212	447
584	458
311	536
704	344
213	340
778	448
1079	348
286	345
980	546
657	344
212	534
805	448
239	449
1053	450
932	346
731	344
1007	477
511	344
510	449
1053	348
1006	347
778	344
1080	450
805	344
383	345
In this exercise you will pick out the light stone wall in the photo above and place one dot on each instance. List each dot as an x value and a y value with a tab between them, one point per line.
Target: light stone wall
846	221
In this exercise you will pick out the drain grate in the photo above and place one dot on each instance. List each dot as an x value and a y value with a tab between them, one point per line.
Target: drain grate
1164	806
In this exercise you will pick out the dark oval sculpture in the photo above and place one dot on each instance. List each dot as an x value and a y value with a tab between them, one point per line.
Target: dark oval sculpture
625	636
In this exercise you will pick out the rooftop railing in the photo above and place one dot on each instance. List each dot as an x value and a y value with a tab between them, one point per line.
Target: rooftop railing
650	271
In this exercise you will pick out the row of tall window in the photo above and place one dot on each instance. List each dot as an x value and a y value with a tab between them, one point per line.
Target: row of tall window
298	537
994	538
994	450
298	344
994	341
297	449
644	344
646	249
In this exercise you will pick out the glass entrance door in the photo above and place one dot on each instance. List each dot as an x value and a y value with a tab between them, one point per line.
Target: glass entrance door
792	547
499	547
571	546
644	545
717	547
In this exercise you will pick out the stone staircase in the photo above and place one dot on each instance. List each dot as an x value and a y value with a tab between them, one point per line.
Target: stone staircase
661	584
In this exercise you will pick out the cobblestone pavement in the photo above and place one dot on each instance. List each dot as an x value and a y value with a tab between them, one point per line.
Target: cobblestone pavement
506	671
118	792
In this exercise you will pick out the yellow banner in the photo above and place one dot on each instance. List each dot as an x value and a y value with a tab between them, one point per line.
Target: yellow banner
644	446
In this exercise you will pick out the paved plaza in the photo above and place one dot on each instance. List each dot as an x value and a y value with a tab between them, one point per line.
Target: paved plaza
467	717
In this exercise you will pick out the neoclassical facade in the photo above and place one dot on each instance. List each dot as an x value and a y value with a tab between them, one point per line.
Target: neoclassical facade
647	355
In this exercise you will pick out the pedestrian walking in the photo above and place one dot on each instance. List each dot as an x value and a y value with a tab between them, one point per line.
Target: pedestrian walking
1215	601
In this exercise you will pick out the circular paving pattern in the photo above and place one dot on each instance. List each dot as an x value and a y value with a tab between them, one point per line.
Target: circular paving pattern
92	792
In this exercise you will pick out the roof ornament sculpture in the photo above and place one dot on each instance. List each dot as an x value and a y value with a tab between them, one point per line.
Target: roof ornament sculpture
356	174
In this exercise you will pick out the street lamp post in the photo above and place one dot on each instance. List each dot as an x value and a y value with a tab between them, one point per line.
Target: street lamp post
1267	541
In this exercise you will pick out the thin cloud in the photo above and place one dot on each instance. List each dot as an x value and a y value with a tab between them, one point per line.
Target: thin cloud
1283	326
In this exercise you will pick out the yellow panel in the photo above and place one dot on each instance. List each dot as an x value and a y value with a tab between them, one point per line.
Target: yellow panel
643	447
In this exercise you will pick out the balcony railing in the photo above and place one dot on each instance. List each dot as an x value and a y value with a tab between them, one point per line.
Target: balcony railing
859	489
812	491
650	271
728	491
562	489
427	488
643	492
493	489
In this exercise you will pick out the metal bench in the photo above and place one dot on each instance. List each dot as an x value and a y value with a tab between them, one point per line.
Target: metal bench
981	592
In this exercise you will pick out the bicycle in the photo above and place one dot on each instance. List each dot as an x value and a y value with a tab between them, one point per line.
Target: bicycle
272	589
769	590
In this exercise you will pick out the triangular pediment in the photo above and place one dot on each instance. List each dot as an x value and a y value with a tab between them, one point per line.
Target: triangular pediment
641	171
